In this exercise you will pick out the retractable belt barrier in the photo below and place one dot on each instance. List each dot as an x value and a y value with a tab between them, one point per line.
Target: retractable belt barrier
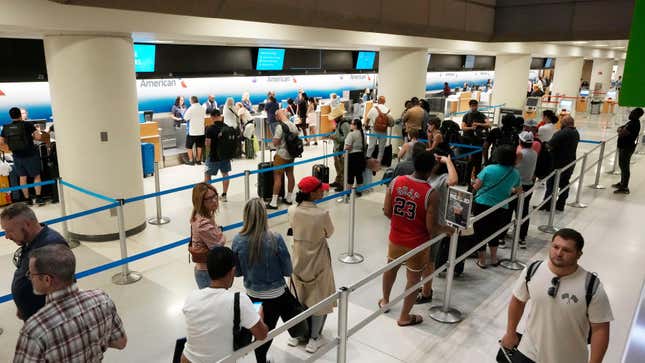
304	137
20	187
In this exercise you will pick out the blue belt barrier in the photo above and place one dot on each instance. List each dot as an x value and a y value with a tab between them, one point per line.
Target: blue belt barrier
20	187
267	141
591	142
258	171
464	155
383	136
88	192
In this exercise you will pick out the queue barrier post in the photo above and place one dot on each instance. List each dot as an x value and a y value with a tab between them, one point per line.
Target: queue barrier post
444	313
345	157
549	228
350	256
61	200
247	185
343	305
614	167
158	219
596	184
577	203
162	158
126	276
513	263
262	136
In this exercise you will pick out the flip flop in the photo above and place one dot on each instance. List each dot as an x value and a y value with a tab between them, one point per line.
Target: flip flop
381	306
483	267
414	320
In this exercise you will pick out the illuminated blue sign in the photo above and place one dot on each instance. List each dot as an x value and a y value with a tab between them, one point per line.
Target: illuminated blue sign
365	60
270	59
144	57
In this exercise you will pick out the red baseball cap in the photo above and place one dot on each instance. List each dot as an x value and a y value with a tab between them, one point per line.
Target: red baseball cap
310	184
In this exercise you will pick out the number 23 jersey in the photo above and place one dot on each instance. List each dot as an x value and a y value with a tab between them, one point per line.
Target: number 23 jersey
410	198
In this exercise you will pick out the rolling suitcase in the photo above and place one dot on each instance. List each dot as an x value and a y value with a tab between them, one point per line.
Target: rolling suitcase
148	158
462	171
321	171
5	197
265	182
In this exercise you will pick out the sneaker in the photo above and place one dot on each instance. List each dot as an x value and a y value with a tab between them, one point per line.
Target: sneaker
313	345
621	191
359	194
559	208
223	197
287	202
423	299
29	201
40	200
199	163
293	342
522	244
616	186
269	206
502	245
338	189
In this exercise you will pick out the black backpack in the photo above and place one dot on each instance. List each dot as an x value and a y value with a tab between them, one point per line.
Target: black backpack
226	143
450	131
295	147
16	137
508	137
544	164
591	286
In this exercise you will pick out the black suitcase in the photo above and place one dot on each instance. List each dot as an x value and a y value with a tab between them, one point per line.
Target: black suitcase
321	171
463	169
387	155
442	254
388	174
265	182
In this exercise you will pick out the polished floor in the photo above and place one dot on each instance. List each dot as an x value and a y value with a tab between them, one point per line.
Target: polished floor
151	308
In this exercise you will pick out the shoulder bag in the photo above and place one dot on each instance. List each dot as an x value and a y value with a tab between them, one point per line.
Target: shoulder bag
198	252
241	336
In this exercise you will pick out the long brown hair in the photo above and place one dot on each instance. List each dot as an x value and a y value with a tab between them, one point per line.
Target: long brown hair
199	191
256	228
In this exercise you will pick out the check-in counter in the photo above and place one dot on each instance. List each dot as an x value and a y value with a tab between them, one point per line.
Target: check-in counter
608	106
581	104
326	125
149	132
464	98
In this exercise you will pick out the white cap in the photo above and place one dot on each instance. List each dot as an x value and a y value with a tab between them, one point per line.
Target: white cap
526	136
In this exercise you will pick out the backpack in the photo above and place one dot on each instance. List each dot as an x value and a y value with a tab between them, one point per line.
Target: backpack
508	137
16	137
544	164
450	131
294	144
382	121
226	143
591	286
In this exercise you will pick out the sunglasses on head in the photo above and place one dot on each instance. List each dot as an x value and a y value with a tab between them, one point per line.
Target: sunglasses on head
555	285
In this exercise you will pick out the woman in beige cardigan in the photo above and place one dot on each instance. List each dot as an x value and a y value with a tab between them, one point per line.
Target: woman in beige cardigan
312	276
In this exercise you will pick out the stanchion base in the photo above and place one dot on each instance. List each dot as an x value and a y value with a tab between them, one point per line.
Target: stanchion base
615	172
158	221
577	205
130	278
450	316
73	243
344	199
597	186
351	259
512	265
547	229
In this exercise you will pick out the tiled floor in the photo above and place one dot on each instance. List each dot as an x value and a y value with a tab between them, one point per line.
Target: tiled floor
151	308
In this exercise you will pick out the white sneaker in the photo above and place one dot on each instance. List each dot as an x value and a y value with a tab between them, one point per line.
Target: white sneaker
293	342
223	198
314	345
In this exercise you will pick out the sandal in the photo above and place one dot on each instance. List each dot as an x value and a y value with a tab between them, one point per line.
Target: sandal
381	306
414	320
481	266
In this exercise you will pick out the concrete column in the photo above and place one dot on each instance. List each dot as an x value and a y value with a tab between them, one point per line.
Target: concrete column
93	92
401	76
567	74
511	80
601	73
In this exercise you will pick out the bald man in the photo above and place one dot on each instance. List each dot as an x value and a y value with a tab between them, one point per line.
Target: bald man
369	121
563	145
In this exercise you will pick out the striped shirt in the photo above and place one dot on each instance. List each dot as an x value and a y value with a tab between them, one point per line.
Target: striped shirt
73	326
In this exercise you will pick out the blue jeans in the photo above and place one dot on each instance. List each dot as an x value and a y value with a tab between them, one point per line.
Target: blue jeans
202	278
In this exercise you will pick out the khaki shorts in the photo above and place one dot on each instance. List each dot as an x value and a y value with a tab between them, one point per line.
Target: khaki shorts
277	161
415	263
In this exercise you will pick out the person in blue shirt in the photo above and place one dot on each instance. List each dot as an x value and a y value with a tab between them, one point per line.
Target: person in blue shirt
271	107
494	184
264	261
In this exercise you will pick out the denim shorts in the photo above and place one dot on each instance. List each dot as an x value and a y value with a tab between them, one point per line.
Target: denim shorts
213	167
27	166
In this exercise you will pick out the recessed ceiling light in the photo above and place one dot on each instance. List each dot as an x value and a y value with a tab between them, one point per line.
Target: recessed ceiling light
602	45
580	42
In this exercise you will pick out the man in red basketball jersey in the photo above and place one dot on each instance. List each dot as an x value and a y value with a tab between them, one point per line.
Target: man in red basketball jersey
412	206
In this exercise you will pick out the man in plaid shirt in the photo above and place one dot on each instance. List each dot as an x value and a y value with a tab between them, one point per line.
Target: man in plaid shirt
74	325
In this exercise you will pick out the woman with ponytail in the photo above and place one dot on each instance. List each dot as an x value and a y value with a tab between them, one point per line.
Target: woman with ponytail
312	278
355	146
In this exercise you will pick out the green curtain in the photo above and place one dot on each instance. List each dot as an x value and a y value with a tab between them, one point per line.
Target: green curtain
631	93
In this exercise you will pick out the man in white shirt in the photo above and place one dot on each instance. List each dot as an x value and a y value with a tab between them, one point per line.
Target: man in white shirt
569	305
209	312
282	157
369	121
546	131
195	117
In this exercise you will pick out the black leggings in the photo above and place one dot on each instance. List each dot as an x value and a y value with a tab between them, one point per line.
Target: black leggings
488	225
355	166
273	309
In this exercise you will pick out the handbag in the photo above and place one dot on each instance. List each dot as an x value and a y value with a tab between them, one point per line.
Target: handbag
295	308
198	252
241	336
506	355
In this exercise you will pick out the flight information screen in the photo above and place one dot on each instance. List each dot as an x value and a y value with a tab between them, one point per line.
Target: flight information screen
270	59
144	57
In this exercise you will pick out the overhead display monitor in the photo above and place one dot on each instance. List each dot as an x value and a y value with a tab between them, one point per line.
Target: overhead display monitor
548	63
365	60
270	59
469	62
144	58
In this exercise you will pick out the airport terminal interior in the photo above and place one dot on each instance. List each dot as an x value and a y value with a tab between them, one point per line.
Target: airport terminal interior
103	83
